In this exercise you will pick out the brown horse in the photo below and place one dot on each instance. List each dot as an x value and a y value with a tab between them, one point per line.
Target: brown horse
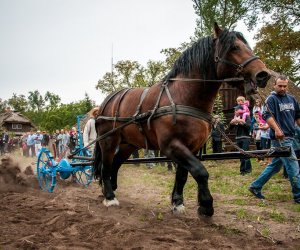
174	115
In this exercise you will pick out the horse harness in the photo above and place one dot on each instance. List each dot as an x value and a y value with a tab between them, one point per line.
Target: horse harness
138	118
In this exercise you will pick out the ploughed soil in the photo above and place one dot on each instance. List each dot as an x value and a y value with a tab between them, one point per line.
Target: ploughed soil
73	217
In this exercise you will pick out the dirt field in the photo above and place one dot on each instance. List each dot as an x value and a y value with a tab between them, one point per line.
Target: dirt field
73	217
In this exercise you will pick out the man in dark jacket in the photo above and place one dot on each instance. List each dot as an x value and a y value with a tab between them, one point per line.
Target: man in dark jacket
281	112
216	135
242	137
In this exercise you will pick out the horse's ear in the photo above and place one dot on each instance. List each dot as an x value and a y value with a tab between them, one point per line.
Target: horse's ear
217	30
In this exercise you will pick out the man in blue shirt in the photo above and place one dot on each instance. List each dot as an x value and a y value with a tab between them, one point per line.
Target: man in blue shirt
30	144
281	112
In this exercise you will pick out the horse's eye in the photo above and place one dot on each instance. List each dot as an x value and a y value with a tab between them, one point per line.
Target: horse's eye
235	47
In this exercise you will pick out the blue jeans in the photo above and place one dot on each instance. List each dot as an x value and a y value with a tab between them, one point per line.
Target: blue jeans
274	167
265	143
245	166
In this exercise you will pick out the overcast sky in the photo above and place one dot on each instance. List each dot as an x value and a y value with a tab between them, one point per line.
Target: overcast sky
65	46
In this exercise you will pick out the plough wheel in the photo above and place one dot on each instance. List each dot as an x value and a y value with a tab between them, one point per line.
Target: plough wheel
46	170
84	175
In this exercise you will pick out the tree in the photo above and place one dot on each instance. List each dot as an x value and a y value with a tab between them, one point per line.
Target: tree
3	105
279	47
123	76
154	72
36	100
18	103
130	74
61	117
172	55
89	104
51	100
218	108
226	12
288	10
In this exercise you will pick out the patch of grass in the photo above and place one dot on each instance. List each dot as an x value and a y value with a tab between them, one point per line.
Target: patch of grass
159	216
232	231
240	202
265	231
277	215
241	214
262	203
224	181
296	208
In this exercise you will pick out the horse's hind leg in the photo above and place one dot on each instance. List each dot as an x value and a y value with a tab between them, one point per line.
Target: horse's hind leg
177	194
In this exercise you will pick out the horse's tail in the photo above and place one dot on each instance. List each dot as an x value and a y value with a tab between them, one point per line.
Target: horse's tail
97	166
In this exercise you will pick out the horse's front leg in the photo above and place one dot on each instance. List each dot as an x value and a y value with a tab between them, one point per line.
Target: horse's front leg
177	194
122	155
185	159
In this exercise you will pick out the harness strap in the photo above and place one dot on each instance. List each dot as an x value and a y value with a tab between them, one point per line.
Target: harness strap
108	98
156	104
118	106
138	109
165	110
172	104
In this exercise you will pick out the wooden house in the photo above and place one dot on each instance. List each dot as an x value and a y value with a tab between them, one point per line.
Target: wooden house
15	122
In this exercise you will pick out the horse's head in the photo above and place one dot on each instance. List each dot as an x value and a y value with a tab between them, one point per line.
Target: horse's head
234	57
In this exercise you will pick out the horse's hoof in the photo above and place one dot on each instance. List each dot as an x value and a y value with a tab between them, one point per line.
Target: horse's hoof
205	211
180	209
109	203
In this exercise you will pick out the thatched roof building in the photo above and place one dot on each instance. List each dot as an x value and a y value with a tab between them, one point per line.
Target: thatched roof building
15	122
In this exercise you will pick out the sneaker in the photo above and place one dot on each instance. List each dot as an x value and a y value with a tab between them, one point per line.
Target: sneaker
256	193
297	201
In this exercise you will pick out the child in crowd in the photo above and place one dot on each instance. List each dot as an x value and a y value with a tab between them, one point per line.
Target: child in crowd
257	106
257	121
241	100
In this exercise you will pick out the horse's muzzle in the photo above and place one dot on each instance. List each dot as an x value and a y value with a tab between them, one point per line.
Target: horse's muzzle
262	78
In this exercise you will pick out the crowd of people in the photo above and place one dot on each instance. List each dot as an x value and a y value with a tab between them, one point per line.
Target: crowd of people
33	141
276	124
8	143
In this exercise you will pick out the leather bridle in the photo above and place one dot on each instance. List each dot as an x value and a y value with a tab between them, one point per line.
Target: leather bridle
239	67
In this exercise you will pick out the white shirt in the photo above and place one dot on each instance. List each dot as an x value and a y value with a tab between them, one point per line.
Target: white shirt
89	132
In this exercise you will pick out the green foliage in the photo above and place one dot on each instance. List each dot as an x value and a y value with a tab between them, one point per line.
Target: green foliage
18	103
60	117
36	100
279	47
218	108
225	12
51	100
171	56
130	74
126	74
277	215
288	10
3	104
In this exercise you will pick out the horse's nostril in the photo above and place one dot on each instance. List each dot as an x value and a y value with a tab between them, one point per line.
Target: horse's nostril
262	78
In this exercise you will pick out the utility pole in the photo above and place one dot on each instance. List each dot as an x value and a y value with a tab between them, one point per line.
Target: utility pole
112	66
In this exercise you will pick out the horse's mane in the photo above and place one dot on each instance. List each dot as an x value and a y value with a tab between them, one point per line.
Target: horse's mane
201	54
